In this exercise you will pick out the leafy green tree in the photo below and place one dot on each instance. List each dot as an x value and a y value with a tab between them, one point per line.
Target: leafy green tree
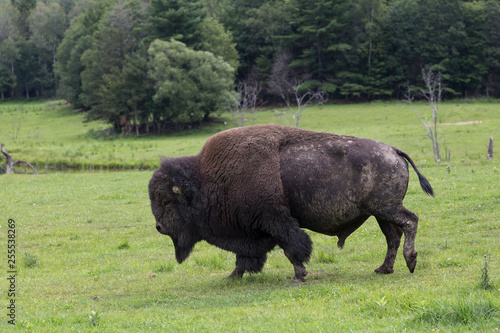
10	54
125	96
27	68
7	80
47	24
8	47
114	41
67	5
214	39
8	25
24	7
77	39
189	85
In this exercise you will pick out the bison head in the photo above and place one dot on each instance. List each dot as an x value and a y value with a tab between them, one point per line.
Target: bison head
172	190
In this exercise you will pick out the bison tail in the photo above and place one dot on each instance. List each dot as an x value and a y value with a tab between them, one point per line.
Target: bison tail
424	183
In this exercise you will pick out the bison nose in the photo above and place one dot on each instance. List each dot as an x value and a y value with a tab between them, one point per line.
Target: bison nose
158	227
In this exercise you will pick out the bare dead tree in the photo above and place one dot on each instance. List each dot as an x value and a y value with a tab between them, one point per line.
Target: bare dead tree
299	101
11	162
306	99
248	99
281	80
432	93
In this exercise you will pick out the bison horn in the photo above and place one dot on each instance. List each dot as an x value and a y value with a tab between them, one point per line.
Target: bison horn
176	189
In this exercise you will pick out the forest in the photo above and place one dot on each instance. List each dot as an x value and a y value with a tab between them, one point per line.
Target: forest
149	65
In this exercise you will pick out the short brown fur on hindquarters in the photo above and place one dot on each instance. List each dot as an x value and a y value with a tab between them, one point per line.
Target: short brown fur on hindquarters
256	187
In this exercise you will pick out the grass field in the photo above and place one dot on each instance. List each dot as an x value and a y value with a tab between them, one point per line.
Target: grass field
90	260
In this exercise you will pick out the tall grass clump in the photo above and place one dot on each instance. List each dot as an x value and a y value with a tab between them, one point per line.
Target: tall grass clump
464	312
30	260
485	282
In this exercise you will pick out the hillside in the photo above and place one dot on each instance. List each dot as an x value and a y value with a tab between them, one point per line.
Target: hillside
53	136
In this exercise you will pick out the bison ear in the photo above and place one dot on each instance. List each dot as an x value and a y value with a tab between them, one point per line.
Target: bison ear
176	189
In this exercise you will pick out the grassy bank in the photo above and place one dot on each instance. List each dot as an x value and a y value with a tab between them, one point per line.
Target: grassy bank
52	136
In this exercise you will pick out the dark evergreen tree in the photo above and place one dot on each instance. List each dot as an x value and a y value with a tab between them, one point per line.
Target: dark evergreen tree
320	39
27	69
365	75
491	80
234	17
178	19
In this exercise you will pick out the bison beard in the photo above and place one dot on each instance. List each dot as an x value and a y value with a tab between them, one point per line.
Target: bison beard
256	187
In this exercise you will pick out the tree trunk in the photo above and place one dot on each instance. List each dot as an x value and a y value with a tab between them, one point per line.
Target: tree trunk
136	125
490	149
10	163
12	91
26	88
54	61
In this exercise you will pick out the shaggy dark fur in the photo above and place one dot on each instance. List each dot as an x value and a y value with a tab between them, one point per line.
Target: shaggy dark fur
255	187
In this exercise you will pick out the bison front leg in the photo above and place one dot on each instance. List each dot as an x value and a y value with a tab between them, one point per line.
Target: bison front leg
297	247
298	266
294	241
247	264
393	235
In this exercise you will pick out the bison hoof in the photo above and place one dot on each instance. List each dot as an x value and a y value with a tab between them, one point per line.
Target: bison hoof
412	266
411	262
235	275
298	279
384	270
300	274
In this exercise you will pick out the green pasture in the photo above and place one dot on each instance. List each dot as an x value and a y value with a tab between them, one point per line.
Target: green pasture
89	258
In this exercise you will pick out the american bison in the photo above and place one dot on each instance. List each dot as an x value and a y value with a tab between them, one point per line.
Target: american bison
252	188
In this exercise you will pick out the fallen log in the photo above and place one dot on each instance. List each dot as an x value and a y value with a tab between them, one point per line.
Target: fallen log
11	162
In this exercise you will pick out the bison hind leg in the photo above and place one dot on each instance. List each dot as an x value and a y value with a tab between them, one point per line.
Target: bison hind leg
407	221
393	235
